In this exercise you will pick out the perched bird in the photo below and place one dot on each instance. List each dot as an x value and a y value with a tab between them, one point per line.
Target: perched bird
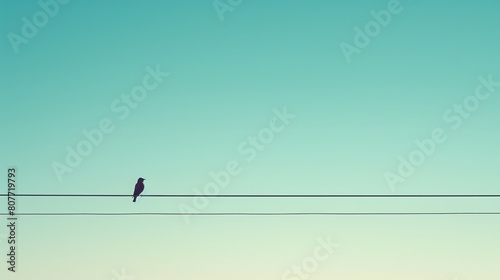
139	188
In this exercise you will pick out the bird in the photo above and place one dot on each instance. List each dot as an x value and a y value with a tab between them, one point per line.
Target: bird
139	188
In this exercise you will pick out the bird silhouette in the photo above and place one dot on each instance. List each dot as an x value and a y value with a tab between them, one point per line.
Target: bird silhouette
139	188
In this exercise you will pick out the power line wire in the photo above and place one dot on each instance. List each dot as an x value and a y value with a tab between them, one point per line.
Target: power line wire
259	214
272	195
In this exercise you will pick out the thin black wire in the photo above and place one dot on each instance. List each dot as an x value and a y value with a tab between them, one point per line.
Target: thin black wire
265	213
273	195
260	214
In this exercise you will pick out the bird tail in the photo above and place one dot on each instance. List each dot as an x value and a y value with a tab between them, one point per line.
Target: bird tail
135	197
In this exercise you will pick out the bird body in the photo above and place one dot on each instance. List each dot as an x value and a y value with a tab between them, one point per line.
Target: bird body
139	188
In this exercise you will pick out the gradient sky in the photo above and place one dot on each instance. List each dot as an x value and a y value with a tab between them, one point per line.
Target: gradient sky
226	77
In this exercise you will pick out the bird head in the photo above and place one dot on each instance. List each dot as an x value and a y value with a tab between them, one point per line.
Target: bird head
140	179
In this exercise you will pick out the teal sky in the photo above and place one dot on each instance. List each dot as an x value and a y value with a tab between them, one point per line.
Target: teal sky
226	79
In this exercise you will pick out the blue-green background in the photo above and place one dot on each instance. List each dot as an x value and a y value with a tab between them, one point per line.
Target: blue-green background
353	122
